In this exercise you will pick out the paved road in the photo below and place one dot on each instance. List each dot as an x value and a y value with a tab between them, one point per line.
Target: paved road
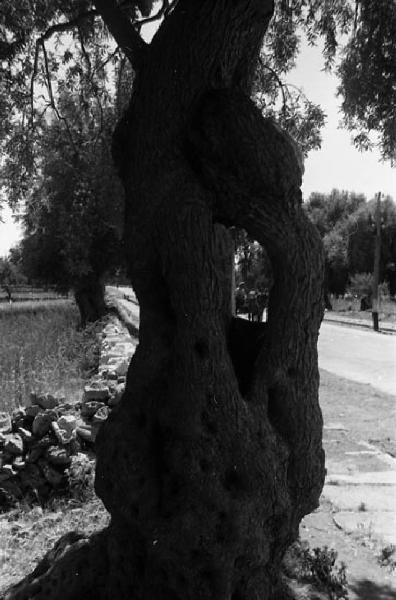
357	354
363	356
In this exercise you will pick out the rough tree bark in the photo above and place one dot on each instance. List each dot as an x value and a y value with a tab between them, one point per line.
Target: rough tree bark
211	460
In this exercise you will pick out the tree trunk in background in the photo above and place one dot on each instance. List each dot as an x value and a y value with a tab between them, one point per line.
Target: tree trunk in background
89	297
214	454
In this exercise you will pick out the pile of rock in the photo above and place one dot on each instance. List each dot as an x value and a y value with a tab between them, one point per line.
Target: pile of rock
116	351
41	444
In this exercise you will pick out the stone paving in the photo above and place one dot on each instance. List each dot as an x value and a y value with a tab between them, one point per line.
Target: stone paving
361	485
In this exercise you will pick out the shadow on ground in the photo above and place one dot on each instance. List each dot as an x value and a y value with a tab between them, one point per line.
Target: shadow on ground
367	590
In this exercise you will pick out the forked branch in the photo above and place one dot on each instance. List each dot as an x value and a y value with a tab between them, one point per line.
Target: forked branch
124	33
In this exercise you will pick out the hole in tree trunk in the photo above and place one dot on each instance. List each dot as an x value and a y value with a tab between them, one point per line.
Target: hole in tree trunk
253	277
244	343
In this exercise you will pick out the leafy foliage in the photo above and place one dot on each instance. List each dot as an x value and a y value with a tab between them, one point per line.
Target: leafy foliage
367	67
58	60
367	74
317	566
74	214
346	223
362	234
361	284
253	267
10	275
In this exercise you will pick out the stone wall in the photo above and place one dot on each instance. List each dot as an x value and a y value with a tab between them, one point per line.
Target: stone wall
45	445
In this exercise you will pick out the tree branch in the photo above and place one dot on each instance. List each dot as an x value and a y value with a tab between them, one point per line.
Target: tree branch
123	31
67	25
52	99
56	28
278	80
165	9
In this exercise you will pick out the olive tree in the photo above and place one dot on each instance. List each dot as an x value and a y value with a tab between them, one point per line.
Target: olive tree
206	479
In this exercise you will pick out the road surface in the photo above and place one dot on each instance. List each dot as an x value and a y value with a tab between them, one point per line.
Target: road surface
363	356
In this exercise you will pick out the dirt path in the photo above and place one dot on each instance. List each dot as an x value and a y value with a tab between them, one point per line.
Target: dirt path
354	415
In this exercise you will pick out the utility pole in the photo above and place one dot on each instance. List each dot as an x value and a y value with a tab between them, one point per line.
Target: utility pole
377	257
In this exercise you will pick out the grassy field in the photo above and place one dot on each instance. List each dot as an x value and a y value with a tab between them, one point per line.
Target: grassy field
24	293
42	350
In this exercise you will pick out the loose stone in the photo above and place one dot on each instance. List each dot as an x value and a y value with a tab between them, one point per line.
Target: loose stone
14	444
42	422
5	423
90	407
101	415
95	391
58	456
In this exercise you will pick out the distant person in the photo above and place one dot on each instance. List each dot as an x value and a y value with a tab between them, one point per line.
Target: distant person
240	299
253	306
262	301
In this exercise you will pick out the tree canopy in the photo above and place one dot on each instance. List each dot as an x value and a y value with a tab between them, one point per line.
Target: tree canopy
45	46
10	275
367	77
346	222
74	213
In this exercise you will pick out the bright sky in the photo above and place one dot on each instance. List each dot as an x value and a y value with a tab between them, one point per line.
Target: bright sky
10	233
337	165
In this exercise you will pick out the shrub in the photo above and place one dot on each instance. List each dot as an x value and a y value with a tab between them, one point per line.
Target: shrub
361	284
317	567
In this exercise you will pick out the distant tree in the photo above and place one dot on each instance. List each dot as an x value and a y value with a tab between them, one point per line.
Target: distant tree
253	267
361	236
390	275
74	215
331	214
346	222
336	249
328	211
361	284
10	276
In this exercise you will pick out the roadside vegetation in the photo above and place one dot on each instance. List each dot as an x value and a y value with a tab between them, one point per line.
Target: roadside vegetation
43	350
350	307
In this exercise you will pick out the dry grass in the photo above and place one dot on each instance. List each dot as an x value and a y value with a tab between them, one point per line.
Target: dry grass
26	534
42	350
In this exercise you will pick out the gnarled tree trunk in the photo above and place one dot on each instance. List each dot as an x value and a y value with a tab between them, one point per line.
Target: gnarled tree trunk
211	460
211	480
